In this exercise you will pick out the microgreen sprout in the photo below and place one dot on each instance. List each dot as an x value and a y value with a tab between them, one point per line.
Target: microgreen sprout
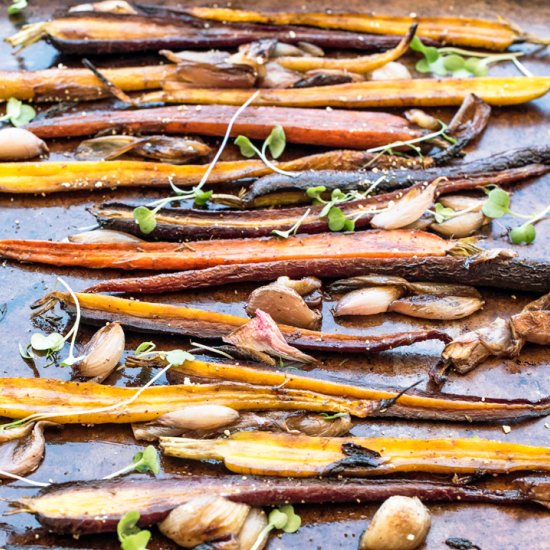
283	518
145	216
458	62
496	206
131	537
294	229
17	6
275	142
53	343
17	112
142	462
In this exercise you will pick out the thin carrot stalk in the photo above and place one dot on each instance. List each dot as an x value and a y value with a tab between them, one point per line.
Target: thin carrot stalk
363	64
199	323
91	403
479	33
70	84
204	254
263	453
417	92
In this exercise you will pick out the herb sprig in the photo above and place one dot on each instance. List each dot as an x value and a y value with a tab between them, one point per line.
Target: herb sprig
458	62
51	344
17	112
142	462
283	518
496	206
145	216
275	142
131	537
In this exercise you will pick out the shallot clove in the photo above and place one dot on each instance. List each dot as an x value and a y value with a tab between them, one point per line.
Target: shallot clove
441	308
102	353
368	301
22	455
401	523
460	226
103	236
408	209
391	71
203	519
20	144
262	338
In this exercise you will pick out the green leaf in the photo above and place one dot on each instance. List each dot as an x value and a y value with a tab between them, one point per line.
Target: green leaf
245	145
453	62
276	141
177	357
497	203
430	53
18	113
130	535
52	342
442	213
315	193
17	7
337	195
127	525
201	198
294	521
147	461
523	234
277	518
349	225
336	219
26	353
145	347
145	218
476	66
423	66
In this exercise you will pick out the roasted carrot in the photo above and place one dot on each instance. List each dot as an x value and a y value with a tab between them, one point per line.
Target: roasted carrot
479	33
264	453
408	405
55	177
347	129
70	84
159	28
362	64
204	254
417	92
199	323
91	403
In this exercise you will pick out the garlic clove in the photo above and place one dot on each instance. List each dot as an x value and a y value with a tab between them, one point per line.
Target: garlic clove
422	119
199	417
102	353
107	6
103	236
203	519
367	301
255	523
462	202
406	210
401	523
391	71
441	308
460	226
20	144
316	425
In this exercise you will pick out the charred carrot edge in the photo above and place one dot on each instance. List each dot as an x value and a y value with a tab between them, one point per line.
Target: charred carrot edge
362	64
417	92
69	84
204	254
479	33
56	177
91	403
97	506
409	405
263	453
201	323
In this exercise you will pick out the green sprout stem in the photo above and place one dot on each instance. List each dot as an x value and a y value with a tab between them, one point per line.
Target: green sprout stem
293	230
